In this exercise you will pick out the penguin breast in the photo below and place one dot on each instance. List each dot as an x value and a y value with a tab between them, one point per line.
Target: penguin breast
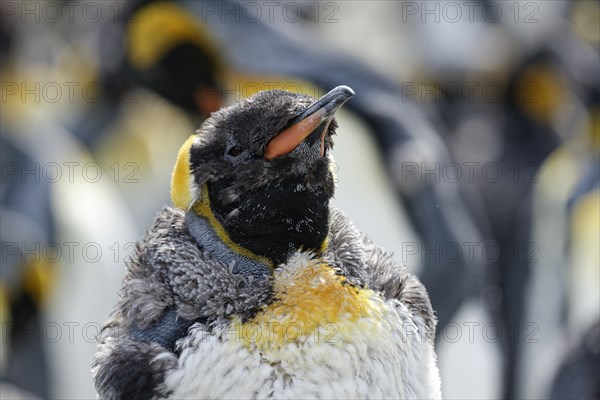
320	337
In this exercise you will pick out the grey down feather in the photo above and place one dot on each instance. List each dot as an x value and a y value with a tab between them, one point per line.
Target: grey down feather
172	284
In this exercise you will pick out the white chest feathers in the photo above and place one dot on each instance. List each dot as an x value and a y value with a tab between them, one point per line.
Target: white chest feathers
320	338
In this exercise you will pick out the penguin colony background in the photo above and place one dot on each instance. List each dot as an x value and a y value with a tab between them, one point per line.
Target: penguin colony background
130	98
253	286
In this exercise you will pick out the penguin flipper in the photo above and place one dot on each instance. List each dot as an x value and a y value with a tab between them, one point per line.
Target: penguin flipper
370	264
166	331
395	282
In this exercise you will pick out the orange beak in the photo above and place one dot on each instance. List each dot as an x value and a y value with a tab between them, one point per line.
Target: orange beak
314	120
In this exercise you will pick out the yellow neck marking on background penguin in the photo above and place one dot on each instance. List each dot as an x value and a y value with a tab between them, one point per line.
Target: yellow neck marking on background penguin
183	187
203	209
157	28
309	299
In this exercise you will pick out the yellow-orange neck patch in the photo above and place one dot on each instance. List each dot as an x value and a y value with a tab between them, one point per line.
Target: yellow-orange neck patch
310	300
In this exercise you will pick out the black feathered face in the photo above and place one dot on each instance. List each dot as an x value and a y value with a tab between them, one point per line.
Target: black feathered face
263	168
234	140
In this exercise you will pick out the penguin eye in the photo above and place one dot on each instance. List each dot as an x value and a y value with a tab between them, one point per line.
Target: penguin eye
234	151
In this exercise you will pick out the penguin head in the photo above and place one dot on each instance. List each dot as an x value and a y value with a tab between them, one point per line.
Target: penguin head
259	170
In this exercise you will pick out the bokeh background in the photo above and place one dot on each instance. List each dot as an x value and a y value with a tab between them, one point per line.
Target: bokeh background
471	150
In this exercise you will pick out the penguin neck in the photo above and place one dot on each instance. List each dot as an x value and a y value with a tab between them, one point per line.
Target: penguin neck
212	238
272	224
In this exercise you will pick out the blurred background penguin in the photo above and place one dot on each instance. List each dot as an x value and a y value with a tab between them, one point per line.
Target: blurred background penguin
97	97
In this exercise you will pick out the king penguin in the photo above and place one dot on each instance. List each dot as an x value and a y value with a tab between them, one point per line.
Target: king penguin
254	286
